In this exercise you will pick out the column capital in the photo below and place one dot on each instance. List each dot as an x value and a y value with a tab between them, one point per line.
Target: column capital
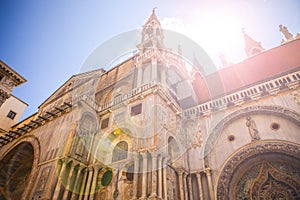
207	171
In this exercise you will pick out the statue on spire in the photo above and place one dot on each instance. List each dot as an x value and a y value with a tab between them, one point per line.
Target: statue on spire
283	29
252	47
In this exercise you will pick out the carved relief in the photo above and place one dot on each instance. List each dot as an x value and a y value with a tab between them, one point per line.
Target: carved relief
274	184
233	164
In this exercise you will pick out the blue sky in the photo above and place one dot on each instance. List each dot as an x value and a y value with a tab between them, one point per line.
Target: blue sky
48	41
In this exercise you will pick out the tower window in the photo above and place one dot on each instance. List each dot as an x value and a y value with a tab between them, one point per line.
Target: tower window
11	114
136	110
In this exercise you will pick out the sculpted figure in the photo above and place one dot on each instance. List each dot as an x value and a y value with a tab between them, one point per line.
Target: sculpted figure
250	123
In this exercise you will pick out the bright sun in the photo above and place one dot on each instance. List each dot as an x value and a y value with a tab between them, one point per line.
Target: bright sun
218	33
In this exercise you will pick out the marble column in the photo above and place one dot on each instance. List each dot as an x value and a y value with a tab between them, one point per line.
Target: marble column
67	182
135	176
75	188
181	190
210	185
190	187
145	170
88	185
154	175
160	178
59	180
185	186
165	164
199	185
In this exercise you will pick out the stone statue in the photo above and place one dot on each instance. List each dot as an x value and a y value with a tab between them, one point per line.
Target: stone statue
285	32
197	141
252	129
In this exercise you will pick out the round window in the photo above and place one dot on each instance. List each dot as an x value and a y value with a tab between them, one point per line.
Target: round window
231	138
275	126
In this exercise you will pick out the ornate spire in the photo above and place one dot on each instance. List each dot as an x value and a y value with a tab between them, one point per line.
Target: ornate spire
252	47
152	34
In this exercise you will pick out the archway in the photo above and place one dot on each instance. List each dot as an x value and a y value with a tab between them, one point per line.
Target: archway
15	169
266	170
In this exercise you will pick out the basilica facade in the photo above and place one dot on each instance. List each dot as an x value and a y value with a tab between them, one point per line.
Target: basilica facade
156	126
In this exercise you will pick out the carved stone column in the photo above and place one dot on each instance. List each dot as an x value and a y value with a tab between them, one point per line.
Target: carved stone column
210	185
181	191
88	185
76	188
190	186
135	175
199	185
154	175
160	178
59	180
165	164
144	181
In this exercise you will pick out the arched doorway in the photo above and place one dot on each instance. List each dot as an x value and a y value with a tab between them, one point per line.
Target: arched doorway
267	170
15	168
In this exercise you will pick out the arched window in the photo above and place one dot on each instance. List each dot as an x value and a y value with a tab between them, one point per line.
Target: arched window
120	151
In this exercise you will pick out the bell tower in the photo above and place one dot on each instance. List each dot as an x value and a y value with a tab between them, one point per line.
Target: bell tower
152	34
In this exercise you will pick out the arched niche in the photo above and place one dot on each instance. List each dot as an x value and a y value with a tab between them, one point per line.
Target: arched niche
263	170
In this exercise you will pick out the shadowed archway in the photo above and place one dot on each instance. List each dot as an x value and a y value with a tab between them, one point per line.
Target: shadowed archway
15	168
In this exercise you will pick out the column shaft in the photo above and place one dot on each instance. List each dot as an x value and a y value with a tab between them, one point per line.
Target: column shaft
160	178
75	188
210	186
59	181
165	164
82	186
199	185
94	182
190	187
154	175
181	191
88	185
145	170
135	175
185	187
68	181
